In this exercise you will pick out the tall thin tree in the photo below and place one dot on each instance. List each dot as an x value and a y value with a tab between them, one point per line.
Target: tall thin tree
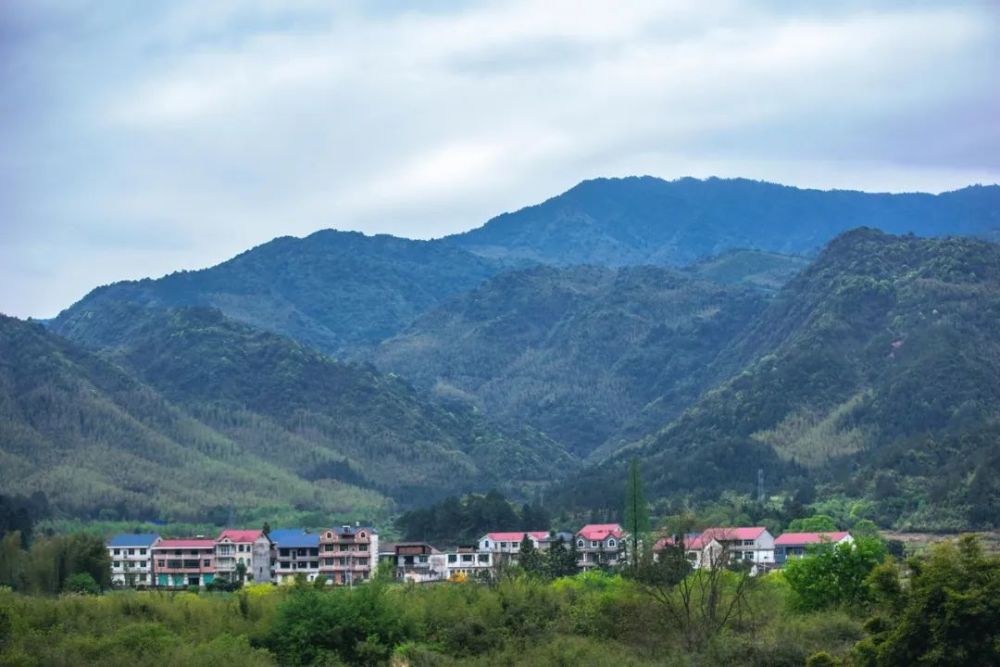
636	511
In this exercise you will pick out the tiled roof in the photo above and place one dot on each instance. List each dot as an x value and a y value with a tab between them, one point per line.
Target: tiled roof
728	534
795	539
517	537
351	530
133	540
186	544
294	538
600	531
240	535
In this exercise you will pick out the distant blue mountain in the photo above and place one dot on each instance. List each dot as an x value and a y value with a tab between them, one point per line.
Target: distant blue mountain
645	220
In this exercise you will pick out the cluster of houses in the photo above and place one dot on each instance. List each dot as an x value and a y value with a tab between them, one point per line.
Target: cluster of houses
351	554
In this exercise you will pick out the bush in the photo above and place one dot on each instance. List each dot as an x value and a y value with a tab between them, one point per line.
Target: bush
82	582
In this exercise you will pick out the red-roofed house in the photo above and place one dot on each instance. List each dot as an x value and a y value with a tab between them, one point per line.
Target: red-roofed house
600	544
183	563
794	545
251	548
723	546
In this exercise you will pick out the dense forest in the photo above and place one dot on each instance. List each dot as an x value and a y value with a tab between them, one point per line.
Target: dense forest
874	374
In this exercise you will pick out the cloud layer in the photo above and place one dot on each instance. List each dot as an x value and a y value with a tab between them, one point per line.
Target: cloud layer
140	138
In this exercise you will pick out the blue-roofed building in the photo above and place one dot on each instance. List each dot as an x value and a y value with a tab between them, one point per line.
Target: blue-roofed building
132	559
296	552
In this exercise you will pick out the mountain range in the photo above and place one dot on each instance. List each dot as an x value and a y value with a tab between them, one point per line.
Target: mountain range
708	328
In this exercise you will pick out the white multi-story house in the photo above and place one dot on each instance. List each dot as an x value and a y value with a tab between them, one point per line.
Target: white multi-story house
720	547
508	544
132	559
249	548
600	544
469	562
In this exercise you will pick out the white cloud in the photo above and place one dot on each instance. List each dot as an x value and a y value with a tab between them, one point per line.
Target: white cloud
218	127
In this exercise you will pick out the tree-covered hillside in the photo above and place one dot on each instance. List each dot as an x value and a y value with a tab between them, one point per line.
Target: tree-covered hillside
589	355
288	424
875	372
332	290
99	442
627	221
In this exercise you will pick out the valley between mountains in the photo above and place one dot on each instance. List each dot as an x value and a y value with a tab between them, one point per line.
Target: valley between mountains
842	343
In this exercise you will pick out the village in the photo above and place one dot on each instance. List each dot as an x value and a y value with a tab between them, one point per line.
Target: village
351	554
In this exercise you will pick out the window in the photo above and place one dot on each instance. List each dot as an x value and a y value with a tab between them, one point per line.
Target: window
503	545
611	542
579	543
159	563
593	544
207	563
117	552
131	552
142	552
484	558
748	543
116	564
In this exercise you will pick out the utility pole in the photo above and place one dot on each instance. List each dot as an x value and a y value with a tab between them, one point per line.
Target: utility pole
760	486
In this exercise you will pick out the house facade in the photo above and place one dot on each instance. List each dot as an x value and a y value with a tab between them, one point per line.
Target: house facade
506	545
250	549
469	562
132	559
184	563
794	545
416	562
600	545
295	552
348	554
721	547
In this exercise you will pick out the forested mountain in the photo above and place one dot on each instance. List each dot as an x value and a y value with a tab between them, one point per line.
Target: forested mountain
286	422
875	372
331	290
589	355
97	441
768	271
628	221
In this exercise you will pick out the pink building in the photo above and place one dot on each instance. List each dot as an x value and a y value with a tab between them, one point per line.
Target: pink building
183	563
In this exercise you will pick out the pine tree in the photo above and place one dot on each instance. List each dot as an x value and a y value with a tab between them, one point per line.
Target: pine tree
528	557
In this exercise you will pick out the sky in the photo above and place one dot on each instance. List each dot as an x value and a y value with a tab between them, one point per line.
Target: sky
140	138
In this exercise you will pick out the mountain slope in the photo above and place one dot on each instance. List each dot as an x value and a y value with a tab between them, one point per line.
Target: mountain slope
98	442
876	372
591	356
334	419
331	290
627	221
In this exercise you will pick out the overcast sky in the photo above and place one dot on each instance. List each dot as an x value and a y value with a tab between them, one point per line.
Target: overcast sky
138	138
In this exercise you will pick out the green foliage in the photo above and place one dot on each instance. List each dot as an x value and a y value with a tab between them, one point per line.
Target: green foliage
358	626
464	520
82	582
636	514
948	613
832	575
812	524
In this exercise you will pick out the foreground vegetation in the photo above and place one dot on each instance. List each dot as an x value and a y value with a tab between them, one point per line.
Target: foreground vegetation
941	608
